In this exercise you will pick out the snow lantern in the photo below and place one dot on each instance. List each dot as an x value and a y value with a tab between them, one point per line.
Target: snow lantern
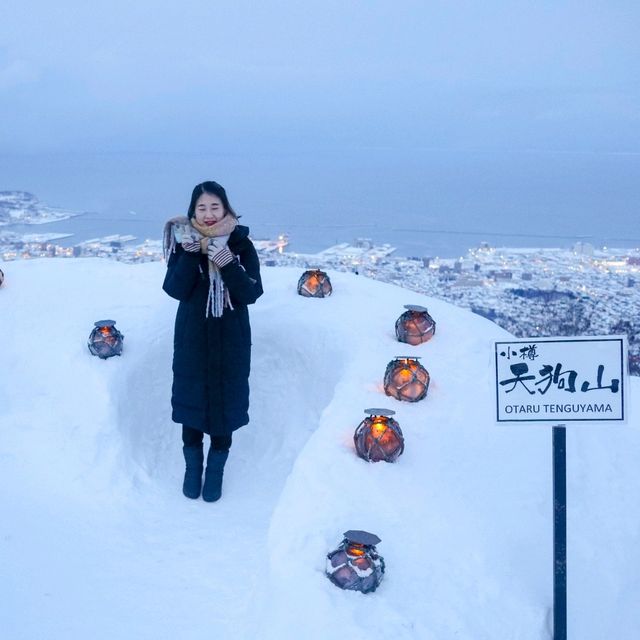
406	379
1	277
355	564
379	437
105	340
314	284
415	325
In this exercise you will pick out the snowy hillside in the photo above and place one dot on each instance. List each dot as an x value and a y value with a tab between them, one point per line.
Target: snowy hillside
21	207
97	541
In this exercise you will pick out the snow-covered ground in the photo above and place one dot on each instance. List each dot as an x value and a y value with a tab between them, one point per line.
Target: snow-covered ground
22	207
97	541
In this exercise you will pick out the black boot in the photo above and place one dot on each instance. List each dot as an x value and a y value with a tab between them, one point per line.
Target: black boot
212	489
194	459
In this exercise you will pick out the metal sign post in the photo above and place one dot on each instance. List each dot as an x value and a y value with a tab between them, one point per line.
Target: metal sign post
559	532
570	380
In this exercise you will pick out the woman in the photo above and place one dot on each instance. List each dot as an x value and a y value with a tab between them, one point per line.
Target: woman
213	270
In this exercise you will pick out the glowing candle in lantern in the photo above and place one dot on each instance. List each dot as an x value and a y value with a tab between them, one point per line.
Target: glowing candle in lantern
379	437
314	284
356	564
406	379
105	340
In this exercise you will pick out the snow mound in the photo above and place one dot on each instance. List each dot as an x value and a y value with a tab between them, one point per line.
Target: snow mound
97	540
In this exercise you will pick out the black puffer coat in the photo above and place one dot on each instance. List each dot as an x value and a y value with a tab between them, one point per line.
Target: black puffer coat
212	356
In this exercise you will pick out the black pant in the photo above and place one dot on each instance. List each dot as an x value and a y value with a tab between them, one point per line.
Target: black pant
194	437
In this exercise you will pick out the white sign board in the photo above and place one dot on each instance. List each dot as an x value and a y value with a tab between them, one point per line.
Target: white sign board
561	379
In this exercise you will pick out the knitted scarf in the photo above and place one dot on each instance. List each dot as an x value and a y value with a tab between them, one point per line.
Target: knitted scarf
218	297
218	294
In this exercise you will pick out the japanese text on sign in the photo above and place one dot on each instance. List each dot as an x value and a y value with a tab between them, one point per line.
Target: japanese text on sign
561	379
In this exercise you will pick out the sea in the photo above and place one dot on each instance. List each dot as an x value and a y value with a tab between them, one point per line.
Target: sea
426	202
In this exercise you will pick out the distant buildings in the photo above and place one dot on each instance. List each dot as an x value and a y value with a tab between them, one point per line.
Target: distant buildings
529	292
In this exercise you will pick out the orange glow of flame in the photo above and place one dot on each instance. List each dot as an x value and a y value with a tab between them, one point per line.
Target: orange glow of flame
362	563
355	550
105	331
379	427
388	441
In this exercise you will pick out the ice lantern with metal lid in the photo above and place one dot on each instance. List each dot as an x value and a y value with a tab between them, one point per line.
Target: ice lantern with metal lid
379	437
415	325
314	283
105	340
406	379
355	564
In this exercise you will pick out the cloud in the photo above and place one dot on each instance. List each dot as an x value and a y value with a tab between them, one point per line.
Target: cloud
391	71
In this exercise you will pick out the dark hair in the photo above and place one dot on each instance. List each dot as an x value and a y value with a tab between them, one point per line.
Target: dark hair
213	189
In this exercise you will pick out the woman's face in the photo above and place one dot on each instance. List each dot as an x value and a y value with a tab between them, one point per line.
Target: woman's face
209	209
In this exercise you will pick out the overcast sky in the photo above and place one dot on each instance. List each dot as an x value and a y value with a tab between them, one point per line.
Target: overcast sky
218	76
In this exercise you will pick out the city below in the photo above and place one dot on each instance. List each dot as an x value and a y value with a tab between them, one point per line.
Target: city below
529	292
